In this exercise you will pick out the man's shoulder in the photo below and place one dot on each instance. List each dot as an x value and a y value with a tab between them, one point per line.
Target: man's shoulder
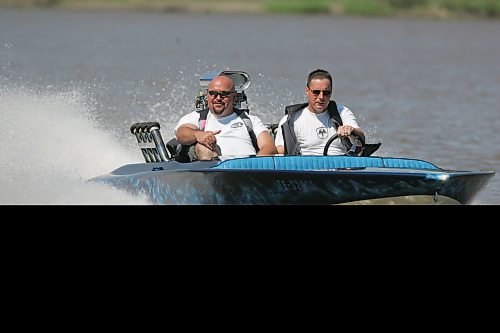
294	107
190	117
253	117
341	106
343	109
257	123
283	119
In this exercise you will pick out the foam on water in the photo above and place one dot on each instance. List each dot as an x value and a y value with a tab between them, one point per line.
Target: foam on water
50	146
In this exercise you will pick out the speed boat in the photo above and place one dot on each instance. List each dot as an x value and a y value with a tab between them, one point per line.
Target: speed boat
282	180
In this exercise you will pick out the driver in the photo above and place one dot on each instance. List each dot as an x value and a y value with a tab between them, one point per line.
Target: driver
306	128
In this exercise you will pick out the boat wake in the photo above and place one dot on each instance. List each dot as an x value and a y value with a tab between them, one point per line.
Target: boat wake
50	146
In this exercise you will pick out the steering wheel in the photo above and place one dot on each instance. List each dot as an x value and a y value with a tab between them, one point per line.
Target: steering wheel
350	152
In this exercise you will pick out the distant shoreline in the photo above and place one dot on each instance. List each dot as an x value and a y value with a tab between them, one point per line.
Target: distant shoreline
434	9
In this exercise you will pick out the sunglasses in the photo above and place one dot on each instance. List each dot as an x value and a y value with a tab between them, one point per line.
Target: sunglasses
223	94
325	92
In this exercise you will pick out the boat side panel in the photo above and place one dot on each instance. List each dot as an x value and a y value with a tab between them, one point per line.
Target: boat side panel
277	187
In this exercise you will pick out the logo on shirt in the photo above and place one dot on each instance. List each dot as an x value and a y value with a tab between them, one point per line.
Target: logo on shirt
236	125
322	132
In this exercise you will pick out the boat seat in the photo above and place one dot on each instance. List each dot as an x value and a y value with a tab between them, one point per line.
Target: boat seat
321	163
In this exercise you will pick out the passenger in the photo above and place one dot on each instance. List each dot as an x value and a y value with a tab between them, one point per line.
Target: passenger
226	130
306	128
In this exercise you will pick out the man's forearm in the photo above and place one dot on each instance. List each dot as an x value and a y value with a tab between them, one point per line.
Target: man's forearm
186	136
267	150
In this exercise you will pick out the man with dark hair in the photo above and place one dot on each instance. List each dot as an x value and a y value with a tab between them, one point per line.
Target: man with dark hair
307	127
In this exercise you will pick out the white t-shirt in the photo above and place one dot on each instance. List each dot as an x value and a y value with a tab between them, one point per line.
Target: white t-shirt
233	138
313	131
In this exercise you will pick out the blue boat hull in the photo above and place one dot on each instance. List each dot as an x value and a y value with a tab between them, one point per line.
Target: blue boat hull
298	180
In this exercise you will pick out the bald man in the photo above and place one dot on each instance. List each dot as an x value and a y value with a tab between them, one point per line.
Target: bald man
224	132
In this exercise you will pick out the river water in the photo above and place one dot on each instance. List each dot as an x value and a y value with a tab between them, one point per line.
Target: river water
72	83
